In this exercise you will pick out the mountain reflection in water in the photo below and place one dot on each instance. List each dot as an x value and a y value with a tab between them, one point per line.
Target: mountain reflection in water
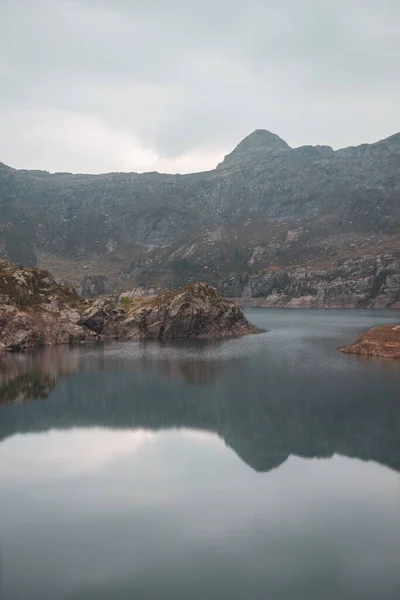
263	409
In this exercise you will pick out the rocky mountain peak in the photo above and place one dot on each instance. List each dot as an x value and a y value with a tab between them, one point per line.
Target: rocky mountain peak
256	147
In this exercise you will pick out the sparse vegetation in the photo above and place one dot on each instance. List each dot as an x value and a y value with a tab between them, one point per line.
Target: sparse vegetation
32	287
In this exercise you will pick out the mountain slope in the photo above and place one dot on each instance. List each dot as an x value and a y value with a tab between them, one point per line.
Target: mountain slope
266	205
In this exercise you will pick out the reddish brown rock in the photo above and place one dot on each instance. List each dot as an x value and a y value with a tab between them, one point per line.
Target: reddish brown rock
378	341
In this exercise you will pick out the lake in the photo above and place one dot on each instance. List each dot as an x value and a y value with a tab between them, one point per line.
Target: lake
262	467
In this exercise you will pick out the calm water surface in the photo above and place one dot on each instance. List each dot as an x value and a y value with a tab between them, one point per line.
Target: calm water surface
261	468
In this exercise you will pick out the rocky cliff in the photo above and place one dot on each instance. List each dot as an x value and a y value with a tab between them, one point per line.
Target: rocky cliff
36	311
266	205
366	282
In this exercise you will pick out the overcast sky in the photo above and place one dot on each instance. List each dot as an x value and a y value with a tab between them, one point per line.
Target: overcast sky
173	85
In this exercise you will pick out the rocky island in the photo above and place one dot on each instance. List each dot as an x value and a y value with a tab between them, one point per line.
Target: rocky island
35	310
379	341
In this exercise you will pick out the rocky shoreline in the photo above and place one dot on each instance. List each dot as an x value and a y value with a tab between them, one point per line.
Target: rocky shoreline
379	341
304	303
37	311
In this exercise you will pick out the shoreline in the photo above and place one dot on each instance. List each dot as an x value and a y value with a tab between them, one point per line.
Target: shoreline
260	303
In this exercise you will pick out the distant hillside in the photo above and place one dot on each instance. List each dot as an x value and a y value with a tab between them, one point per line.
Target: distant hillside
266	206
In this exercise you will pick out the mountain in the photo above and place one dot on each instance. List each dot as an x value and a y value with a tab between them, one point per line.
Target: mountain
299	215
259	146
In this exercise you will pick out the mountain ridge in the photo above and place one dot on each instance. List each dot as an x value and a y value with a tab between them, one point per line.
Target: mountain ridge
266	205
392	137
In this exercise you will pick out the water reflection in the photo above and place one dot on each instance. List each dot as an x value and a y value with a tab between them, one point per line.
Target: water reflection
264	411
33	375
192	372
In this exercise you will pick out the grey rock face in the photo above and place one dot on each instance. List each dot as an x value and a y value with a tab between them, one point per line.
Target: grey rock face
257	147
91	286
355	283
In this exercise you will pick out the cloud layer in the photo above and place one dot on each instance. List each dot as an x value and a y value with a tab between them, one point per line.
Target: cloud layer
105	85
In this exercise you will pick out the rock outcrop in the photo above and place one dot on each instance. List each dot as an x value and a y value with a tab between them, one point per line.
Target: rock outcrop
92	286
36	311
196	311
379	341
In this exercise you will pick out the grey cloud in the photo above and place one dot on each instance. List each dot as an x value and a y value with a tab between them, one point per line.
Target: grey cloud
179	76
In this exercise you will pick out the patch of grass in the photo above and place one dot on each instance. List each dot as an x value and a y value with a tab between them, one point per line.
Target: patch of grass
126	301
